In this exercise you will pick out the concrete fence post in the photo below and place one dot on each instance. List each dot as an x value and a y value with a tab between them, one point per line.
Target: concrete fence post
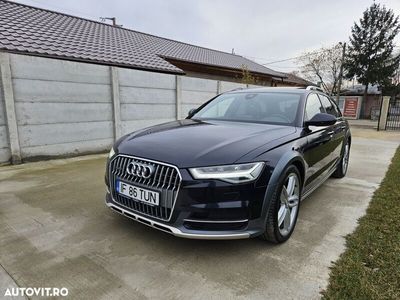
383	113
219	87
9	103
178	97
116	103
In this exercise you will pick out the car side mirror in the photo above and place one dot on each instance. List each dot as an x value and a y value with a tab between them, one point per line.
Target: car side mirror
192	112
321	119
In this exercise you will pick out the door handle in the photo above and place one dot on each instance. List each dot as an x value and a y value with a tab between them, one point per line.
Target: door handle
330	134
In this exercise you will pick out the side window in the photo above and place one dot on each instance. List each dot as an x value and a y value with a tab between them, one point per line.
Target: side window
336	107
313	107
330	107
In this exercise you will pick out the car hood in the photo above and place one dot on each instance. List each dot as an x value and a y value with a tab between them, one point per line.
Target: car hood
191	143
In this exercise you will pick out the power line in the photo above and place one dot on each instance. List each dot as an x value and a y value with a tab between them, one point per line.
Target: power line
296	57
273	62
283	60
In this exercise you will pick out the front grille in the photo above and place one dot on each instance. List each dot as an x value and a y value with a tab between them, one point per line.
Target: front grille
165	180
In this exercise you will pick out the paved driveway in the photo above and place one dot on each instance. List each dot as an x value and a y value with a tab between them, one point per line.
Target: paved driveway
56	231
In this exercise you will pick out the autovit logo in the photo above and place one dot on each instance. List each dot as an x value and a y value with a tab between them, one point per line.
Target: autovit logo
36	291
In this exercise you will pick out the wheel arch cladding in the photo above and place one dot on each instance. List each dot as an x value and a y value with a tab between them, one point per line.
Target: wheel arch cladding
300	166
289	158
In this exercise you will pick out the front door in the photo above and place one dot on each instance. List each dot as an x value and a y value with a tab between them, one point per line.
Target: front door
318	152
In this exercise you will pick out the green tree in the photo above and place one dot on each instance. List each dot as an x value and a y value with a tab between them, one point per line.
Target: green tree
370	57
393	88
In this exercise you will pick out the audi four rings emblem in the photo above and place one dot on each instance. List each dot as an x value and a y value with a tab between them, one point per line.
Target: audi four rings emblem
140	170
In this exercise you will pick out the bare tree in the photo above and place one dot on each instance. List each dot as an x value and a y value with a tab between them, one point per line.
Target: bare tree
247	77
323	66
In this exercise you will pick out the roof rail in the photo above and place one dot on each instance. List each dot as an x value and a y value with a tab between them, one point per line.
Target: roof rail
314	88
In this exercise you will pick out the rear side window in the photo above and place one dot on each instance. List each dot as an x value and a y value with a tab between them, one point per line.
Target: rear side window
330	107
313	107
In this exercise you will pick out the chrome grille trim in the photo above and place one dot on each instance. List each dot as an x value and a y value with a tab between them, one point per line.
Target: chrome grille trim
166	180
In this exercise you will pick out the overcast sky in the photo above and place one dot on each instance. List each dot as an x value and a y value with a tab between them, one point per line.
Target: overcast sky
262	30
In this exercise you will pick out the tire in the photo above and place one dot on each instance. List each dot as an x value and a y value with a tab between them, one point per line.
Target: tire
277	229
343	165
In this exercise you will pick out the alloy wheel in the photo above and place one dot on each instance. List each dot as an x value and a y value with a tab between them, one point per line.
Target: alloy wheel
289	204
345	160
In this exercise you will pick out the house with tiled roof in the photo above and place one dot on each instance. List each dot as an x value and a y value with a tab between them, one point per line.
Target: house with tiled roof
35	31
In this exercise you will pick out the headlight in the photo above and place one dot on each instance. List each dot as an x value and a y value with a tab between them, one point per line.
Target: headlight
112	152
230	173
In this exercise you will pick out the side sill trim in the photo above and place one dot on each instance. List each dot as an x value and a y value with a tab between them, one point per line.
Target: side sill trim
309	192
176	231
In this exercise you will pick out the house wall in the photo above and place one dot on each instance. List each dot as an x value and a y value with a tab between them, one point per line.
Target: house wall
66	108
236	79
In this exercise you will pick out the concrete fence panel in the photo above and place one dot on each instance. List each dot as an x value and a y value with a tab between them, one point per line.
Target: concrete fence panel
136	78
141	95
199	84
32	90
147	111
147	98
40	68
36	113
254	86
228	86
61	106
196	91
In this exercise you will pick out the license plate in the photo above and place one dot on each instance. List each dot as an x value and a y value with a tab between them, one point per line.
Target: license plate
138	193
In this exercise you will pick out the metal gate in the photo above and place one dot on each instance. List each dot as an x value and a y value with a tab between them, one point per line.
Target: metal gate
393	116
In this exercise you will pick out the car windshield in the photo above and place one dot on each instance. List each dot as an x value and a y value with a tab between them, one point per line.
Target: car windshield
261	107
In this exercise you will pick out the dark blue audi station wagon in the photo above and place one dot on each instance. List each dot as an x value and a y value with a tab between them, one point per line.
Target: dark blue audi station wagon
237	167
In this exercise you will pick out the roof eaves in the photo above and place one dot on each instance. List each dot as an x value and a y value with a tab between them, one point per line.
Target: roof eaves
94	61
167	58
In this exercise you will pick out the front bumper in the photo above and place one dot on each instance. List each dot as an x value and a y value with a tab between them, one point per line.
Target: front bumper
175	231
252	227
204	209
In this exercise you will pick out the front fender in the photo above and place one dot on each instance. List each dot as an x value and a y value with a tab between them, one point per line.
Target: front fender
289	158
